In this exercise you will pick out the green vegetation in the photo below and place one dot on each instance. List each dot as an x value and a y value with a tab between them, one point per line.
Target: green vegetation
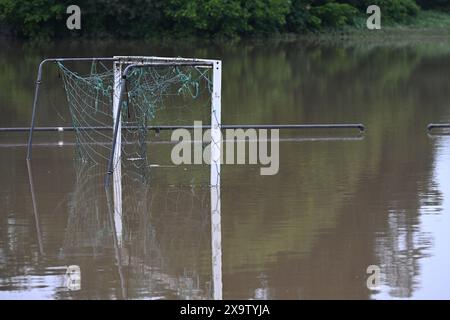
208	18
432	19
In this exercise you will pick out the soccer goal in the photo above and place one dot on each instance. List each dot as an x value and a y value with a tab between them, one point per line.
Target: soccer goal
114	102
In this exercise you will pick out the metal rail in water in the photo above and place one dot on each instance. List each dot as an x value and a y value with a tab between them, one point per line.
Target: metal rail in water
432	126
358	126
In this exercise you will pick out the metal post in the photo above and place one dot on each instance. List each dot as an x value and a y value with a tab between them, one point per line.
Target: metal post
35	101
216	143
116	128
115	238
35	211
117	176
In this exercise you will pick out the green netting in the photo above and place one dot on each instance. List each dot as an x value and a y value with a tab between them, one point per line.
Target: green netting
154	95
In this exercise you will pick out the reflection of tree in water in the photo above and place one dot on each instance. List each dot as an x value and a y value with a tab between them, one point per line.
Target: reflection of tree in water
398	252
164	246
401	247
380	224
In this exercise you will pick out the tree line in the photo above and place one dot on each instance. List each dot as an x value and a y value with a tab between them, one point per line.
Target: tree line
203	18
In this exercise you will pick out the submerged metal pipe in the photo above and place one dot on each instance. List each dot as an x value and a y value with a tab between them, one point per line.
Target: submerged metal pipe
152	142
432	126
358	126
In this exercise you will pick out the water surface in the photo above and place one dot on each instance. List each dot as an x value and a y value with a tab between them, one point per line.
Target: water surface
337	205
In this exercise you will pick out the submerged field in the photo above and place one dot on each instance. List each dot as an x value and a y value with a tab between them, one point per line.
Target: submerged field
340	202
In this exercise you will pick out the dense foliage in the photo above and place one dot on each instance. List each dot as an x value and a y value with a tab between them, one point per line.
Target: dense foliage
228	18
434	4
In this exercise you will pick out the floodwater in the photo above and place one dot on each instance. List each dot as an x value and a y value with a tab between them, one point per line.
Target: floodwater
341	201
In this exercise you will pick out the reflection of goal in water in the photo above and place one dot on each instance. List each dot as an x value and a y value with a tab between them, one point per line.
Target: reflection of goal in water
158	237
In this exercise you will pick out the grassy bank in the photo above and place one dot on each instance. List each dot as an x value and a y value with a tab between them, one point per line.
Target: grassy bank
427	23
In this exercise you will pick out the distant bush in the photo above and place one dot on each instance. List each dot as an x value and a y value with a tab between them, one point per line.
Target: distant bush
300	18
47	18
434	4
226	17
266	16
196	17
399	11
335	15
31	18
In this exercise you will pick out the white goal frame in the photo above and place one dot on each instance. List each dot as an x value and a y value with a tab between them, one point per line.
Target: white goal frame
123	65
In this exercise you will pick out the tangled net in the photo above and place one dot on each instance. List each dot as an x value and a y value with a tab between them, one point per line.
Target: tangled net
154	96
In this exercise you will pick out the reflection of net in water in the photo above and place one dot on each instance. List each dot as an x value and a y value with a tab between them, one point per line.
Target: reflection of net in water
171	238
157	95
162	247
87	225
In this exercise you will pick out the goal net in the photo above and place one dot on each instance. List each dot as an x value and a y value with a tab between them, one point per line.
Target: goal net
138	96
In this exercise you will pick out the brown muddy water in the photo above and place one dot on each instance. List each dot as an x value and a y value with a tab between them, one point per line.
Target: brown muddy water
340	202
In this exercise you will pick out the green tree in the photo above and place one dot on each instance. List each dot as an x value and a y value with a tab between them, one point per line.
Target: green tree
226	17
335	15
32	18
399	11
394	10
266	16
206	17
434	4
300	18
